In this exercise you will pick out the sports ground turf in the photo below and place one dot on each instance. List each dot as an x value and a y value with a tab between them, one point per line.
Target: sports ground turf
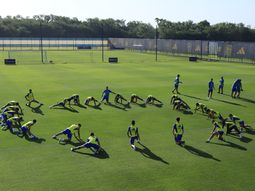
159	164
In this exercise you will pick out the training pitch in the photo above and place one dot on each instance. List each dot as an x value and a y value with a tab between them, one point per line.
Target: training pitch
158	164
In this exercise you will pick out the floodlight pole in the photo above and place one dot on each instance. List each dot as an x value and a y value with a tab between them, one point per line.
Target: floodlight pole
41	42
102	38
156	48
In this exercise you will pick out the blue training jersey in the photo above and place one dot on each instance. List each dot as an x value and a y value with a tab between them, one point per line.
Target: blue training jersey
221	82
211	85
106	92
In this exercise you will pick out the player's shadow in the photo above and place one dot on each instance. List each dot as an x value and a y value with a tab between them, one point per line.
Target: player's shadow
75	144
66	108
80	105
37	110
158	105
228	102
95	107
146	152
243	139
101	155
194	97
200	153
116	106
247	100
124	105
230	144
35	140
187	112
250	131
143	105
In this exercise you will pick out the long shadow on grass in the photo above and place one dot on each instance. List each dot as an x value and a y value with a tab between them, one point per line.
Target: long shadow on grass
80	105
247	100
194	97
146	152
250	131
230	144
102	155
228	102
36	140
66	108
95	107
200	153
243	139
37	110
143	105
116	106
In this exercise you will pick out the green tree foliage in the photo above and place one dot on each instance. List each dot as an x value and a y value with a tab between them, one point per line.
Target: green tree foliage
59	26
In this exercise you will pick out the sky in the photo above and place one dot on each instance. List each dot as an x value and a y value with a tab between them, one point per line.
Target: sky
214	11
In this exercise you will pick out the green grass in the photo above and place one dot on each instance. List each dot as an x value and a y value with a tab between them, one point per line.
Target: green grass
47	166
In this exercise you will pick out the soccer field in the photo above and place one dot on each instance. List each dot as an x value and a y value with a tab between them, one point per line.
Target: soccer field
158	165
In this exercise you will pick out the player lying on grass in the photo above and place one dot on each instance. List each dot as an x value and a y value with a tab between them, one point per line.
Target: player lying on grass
236	88
91	143
120	99
217	131
75	98
60	104
73	130
106	95
151	100
92	99
178	131
179	104
26	130
134	98
13	103
30	98
13	123
133	134
221	86
200	106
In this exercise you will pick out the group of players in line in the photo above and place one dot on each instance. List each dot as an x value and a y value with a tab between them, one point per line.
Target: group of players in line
231	123
119	99
11	116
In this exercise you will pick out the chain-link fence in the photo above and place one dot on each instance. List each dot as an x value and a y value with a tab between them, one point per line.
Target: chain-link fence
228	51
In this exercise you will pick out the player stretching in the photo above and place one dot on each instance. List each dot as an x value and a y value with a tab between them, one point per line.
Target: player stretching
217	131
201	106
30	98
90	99
134	98
151	100
92	143
69	132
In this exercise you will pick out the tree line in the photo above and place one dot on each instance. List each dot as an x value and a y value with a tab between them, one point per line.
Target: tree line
59	26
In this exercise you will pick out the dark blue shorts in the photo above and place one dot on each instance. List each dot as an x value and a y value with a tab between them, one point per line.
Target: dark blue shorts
68	133
220	133
24	129
210	90
91	145
221	86
106	98
234	89
178	138
9	124
241	123
132	140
